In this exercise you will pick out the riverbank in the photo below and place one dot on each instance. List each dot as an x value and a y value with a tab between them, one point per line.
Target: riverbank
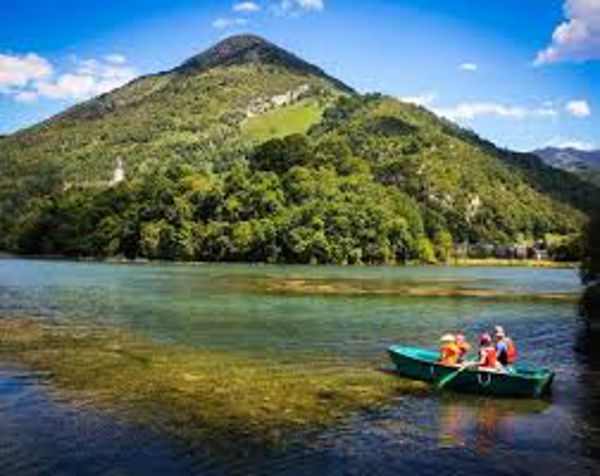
196	394
456	263
528	263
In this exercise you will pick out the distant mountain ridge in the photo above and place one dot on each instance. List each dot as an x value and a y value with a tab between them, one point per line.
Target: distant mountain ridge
569	157
583	163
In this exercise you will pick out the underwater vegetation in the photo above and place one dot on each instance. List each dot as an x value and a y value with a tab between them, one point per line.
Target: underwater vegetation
194	393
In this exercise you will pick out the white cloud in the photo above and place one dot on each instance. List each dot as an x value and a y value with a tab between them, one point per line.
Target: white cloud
306	5
579	108
28	78
311	4
91	77
20	70
104	70
578	37
115	58
472	67
67	86
422	100
26	96
223	23
563	143
471	110
246	7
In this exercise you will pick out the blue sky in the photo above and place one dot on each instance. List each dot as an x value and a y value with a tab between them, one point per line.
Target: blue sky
522	73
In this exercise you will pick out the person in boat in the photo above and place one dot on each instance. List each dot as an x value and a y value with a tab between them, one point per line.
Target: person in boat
488	357
505	347
463	347
449	351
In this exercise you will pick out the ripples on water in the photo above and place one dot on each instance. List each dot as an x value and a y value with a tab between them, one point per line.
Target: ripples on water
205	306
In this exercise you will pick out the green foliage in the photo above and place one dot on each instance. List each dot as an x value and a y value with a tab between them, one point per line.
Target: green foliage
569	248
305	215
443	245
280	155
426	250
476	192
590	269
373	181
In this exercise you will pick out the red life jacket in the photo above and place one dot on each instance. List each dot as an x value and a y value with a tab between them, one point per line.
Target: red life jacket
489	357
511	351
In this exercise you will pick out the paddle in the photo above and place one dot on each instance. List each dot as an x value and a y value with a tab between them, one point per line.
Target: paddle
451	376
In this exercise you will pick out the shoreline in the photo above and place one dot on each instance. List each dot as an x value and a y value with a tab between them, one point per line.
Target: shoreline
454	263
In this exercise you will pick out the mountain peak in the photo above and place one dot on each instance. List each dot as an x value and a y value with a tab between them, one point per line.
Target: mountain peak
247	49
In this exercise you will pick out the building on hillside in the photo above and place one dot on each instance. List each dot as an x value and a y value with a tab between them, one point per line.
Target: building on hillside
485	250
118	173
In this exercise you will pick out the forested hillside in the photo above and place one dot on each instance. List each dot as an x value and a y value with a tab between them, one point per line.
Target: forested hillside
247	153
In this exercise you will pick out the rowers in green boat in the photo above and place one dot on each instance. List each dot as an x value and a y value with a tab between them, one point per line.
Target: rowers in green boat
486	375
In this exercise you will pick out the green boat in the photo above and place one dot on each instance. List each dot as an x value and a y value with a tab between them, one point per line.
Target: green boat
520	381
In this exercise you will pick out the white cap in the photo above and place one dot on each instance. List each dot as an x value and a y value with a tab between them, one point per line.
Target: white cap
448	338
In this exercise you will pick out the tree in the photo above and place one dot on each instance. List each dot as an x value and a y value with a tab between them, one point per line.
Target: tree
425	250
280	155
443	245
590	266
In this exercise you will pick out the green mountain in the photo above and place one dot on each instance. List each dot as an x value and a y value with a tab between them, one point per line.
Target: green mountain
246	152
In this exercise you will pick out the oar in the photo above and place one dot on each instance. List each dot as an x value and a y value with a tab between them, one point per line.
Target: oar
451	376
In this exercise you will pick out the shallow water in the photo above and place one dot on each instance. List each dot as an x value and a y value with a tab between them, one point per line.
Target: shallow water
232	307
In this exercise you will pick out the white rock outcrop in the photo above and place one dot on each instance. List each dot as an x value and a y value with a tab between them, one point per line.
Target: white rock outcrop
261	105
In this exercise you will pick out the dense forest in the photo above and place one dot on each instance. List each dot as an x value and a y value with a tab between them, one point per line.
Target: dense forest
249	154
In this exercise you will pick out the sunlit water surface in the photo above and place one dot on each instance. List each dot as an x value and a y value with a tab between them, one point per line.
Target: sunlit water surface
229	307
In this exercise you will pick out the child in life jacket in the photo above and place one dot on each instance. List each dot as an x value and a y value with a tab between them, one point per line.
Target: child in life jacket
505	347
449	350
463	347
487	354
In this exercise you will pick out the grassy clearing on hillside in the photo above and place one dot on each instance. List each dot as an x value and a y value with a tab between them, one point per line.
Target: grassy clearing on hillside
193	393
281	122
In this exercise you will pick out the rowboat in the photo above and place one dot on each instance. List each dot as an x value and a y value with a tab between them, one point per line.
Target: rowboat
518	381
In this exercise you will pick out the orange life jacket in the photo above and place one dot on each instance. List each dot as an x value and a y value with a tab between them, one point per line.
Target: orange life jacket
511	351
449	354
488	357
463	348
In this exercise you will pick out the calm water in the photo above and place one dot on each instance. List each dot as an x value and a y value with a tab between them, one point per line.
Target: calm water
229	307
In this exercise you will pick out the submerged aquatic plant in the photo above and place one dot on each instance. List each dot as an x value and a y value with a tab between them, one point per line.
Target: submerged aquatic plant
195	393
373	287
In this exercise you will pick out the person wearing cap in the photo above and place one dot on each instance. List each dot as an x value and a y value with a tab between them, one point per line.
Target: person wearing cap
463	347
449	351
505	347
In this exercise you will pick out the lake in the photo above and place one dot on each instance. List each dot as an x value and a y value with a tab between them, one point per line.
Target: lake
325	317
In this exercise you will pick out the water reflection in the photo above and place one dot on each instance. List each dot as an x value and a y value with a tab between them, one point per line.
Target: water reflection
482	423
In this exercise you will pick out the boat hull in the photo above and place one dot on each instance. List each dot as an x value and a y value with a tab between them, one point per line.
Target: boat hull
521	381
